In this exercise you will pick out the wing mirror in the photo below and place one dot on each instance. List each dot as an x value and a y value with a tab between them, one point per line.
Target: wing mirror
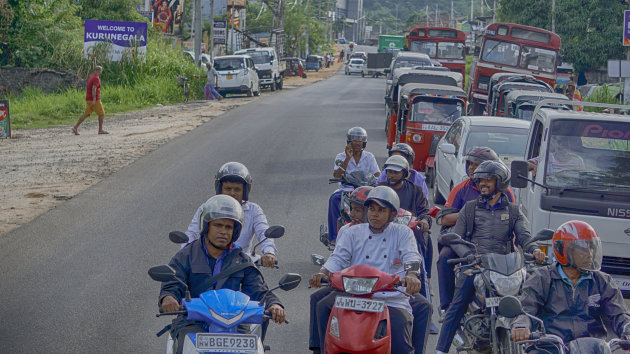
162	273
289	281
519	171
448	149
412	266
275	231
316	259
178	237
542	235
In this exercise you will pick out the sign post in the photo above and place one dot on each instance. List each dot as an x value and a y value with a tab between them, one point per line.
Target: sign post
5	121
218	31
123	38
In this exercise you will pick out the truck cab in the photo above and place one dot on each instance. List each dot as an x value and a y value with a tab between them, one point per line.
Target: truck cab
580	163
268	66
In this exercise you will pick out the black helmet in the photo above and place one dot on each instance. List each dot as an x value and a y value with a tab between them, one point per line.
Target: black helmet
479	154
496	169
404	149
357	134
221	207
233	172
385	197
398	163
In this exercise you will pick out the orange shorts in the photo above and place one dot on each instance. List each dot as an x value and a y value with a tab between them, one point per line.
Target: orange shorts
97	108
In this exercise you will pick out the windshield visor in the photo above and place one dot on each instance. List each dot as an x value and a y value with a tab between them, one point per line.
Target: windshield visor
505	264
436	110
585	254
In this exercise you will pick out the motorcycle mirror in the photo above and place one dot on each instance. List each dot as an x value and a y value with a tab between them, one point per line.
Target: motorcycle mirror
543	235
519	172
412	266
177	237
510	307
317	259
275	231
162	273
289	281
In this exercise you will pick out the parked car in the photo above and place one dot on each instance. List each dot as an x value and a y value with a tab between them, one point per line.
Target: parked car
506	136
356	66
360	55
237	74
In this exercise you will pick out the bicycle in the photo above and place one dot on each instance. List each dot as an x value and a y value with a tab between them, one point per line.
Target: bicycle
183	82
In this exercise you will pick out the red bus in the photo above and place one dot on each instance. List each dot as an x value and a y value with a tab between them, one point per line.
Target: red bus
446	45
509	47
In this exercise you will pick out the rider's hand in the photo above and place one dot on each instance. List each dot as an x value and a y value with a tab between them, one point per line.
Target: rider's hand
539	256
519	334
268	260
424	225
169	304
349	151
316	280
277	313
412	283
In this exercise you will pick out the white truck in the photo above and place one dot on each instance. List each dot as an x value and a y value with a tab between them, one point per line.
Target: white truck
582	172
269	67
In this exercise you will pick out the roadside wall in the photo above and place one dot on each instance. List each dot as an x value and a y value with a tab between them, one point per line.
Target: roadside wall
14	80
600	76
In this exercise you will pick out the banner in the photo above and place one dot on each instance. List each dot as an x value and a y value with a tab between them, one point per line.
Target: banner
168	15
125	38
218	32
626	27
5	121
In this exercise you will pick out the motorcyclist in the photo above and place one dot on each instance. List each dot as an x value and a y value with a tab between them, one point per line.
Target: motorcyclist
354	158
495	225
363	244
407	152
214	253
234	179
460	194
572	296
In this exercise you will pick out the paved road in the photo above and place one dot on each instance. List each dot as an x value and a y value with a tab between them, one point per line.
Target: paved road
74	279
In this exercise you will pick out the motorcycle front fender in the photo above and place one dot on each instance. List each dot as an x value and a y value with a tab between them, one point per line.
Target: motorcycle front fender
357	331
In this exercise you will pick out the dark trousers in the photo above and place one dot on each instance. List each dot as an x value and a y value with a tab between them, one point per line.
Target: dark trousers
421	310
446	276
333	214
455	312
401	323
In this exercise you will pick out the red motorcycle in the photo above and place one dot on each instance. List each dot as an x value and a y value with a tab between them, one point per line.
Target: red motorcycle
359	323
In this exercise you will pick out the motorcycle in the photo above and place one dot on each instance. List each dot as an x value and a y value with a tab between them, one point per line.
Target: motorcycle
359	323
482	328
354	179
510	307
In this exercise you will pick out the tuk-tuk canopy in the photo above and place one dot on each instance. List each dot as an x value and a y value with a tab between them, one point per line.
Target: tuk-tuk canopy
409	75
414	89
312	59
507	85
497	78
520	96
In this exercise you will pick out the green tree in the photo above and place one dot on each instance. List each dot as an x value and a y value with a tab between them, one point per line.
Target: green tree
110	10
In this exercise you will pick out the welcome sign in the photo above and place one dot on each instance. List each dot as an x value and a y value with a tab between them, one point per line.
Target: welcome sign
123	38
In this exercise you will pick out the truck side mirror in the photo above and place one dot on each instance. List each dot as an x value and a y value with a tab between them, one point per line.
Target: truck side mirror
519	170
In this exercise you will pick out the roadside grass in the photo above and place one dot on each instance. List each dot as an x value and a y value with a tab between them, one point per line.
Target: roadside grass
603	94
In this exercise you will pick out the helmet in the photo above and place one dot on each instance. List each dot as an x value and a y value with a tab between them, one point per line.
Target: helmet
221	207
404	149
479	154
359	195
577	236
397	163
496	169
357	134
233	172
384	196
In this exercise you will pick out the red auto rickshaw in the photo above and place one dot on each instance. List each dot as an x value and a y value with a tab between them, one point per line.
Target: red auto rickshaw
425	113
294	67
403	76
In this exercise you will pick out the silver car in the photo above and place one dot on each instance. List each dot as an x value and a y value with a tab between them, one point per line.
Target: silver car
356	66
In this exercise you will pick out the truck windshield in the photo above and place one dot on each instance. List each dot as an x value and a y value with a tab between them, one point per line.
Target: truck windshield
228	64
588	154
500	52
259	57
438	111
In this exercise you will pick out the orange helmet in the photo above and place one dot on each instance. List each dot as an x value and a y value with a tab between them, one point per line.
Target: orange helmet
575	243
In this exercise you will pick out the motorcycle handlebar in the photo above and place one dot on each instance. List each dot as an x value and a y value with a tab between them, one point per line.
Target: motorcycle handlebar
171	313
467	259
267	315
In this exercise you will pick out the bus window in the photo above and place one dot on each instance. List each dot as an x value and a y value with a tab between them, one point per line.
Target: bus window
427	48
534	36
500	52
450	50
538	59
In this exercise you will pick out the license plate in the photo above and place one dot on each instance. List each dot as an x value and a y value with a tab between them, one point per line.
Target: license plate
622	282
358	304
492	301
222	343
435	127
229	76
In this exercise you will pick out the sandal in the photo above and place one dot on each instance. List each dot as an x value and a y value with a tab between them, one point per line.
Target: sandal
75	132
103	132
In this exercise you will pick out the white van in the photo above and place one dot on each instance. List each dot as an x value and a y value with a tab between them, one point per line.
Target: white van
237	74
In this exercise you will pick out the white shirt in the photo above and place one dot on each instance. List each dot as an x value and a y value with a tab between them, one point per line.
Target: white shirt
387	251
367	163
255	223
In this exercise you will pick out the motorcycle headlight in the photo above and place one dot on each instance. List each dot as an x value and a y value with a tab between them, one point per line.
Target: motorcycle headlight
507	285
359	286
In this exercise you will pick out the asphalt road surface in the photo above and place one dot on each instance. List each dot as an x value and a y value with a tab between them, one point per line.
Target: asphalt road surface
74	280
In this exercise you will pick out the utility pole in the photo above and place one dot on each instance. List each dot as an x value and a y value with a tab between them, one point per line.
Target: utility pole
472	5
197	24
482	8
451	23
427	12
553	16
211	50
494	11
437	7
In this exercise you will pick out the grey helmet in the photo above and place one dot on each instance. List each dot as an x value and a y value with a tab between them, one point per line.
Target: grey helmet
385	197
496	169
398	163
357	134
233	172
221	206
404	149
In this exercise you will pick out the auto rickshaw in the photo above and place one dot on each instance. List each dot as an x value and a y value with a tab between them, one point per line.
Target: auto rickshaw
521	104
501	90
313	63
294	67
497	79
404	76
425	113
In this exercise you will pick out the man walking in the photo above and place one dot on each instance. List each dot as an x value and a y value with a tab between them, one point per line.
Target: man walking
210	92
93	101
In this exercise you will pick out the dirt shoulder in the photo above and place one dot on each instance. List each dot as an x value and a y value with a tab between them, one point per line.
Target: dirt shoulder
41	168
